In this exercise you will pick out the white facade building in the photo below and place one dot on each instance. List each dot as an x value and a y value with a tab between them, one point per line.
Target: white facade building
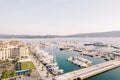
13	49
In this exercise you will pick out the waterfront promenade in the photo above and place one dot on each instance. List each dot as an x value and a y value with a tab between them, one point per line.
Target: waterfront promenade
42	72
90	71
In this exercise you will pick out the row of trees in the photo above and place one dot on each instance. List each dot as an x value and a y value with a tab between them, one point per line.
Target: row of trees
6	73
70	79
75	79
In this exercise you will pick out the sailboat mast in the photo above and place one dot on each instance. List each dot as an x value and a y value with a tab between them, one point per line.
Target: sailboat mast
54	56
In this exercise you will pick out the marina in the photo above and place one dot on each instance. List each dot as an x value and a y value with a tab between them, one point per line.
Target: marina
82	62
60	40
48	61
88	52
90	71
96	60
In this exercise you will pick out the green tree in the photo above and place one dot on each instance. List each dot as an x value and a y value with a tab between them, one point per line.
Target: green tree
16	60
7	60
5	74
70	79
47	74
13	73
42	68
78	78
54	78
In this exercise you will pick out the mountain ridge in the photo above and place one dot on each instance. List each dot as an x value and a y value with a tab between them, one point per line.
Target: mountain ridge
98	34
95	34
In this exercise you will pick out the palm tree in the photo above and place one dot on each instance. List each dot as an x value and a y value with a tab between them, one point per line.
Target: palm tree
70	79
13	73
78	78
47	74
42	68
54	78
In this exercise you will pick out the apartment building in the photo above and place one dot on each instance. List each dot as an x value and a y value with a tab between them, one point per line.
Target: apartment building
13	49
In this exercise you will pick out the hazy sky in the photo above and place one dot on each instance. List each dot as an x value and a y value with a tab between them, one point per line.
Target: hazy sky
61	17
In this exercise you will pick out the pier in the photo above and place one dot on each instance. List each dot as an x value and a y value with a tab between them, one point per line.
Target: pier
90	71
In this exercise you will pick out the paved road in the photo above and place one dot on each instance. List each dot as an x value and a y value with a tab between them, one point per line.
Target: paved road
90	71
42	73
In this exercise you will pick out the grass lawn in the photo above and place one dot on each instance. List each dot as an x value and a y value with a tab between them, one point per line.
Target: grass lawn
27	65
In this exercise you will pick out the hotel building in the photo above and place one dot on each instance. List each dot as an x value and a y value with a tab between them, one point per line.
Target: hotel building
13	49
